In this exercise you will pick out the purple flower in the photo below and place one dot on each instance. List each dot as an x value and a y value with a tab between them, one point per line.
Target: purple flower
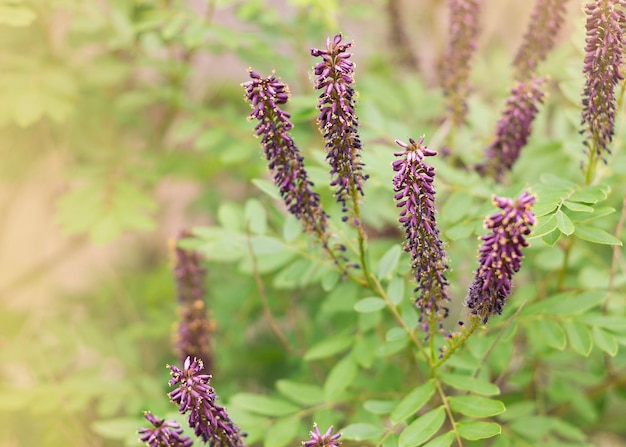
500	255
545	21
338	121
463	31
606	24
323	440
194	328
514	128
287	165
163	433
195	396
415	195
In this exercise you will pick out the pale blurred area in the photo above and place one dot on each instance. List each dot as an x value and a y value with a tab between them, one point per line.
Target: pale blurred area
58	99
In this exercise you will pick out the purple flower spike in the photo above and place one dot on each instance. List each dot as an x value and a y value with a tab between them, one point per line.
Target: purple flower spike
338	121
415	196
194	328
322	440
287	165
500	255
606	24
195	396
463	31
163	433
545	22
514	128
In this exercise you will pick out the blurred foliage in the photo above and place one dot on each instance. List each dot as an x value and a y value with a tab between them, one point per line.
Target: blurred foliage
131	94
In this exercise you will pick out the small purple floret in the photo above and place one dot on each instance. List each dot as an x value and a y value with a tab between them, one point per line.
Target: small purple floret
327	439
195	396
163	433
500	255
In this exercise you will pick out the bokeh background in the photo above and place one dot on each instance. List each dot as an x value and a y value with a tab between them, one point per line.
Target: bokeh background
121	123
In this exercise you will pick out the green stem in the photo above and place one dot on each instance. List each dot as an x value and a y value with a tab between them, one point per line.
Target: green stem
459	342
446	405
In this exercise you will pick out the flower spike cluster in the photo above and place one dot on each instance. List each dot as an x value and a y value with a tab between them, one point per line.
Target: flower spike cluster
338	122
500	255
195	328
327	439
545	22
415	196
285	161
195	396
163	433
463	31
514	127
606	38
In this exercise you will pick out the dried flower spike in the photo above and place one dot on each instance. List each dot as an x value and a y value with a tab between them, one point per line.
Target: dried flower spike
500	255
545	22
322	440
163	433
285	161
606	24
514	128
194	328
195	396
339	123
415	196
463	31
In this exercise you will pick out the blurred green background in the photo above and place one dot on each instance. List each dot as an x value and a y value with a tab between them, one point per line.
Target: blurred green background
123	122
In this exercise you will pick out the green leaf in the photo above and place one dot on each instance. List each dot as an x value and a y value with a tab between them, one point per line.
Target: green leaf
596	235
117	428
474	430
389	262
282	432
544	226
413	401
229	216
444	440
458	205
552	238
265	405
380	406
395	333
339	377
329	347
364	352
579	337
395	290
361	432
421	430
302	393
476	406
256	217
590	194
605	341
264	245
267	187
371	304
564	223
567	304
473	384
552	333
578	207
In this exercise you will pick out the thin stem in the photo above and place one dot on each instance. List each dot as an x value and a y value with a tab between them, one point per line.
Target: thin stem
446	405
564	267
615	260
267	312
458	342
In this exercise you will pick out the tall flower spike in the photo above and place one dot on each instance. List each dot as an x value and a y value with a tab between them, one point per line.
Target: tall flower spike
415	195
194	328
606	24
323	440
195	396
338	122
545	22
514	128
163	433
500	255
287	165
463	31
